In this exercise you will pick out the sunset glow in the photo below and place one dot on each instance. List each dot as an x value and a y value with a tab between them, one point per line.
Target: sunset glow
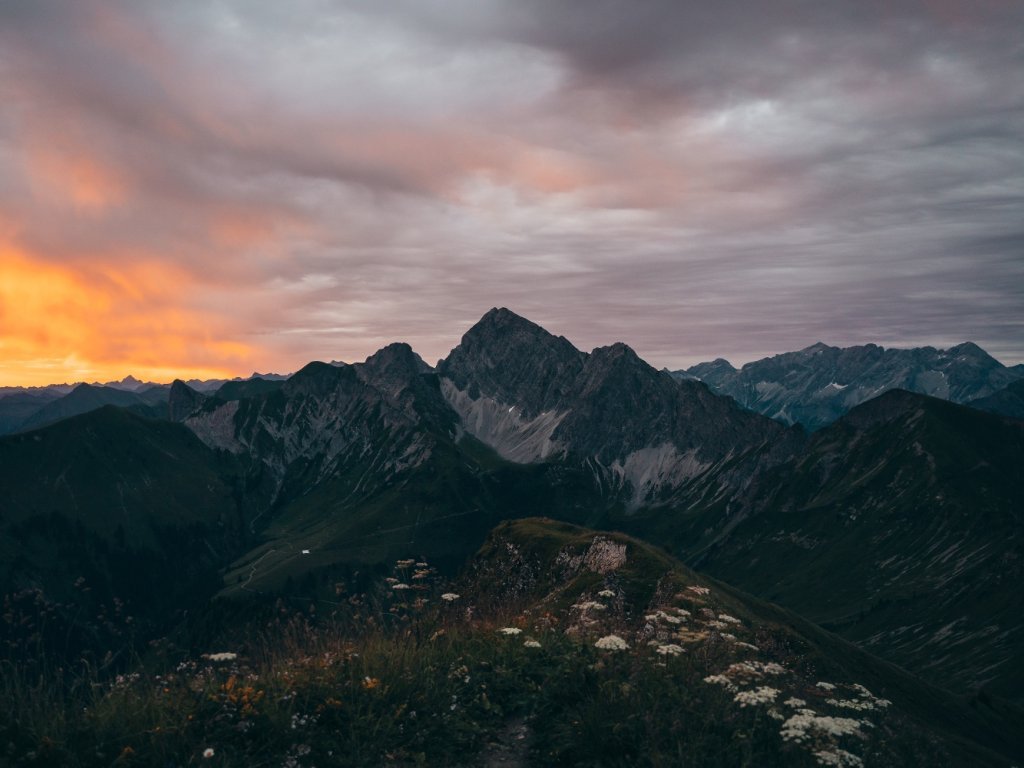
100	323
212	190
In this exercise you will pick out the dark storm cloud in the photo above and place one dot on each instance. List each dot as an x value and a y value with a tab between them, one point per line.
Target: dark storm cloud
696	179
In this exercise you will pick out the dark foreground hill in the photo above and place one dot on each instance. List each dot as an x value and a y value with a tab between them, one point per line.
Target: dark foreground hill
557	646
109	515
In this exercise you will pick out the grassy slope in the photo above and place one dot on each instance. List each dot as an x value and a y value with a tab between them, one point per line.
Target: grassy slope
403	678
973	726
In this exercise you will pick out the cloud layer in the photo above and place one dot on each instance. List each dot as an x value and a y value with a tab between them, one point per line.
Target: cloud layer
220	187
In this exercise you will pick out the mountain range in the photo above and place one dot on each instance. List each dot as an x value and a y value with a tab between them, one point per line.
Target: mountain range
817	385
896	524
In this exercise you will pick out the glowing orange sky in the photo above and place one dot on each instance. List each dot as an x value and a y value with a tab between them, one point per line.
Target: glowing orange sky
101	323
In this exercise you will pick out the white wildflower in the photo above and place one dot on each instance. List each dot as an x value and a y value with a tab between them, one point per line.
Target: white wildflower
606	593
511	631
662	616
391	580
755	669
798	728
717	624
611	643
795	703
682	612
224	656
762	695
748	646
450	597
670	649
400	586
838	757
590	605
698	590
728	619
720	680
826	686
405	563
531	644
208	753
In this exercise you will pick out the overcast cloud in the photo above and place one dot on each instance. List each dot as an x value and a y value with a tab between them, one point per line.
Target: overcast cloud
242	184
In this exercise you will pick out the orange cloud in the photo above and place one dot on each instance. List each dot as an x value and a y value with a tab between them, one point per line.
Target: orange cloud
105	321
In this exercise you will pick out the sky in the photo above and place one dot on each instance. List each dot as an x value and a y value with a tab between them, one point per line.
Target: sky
204	189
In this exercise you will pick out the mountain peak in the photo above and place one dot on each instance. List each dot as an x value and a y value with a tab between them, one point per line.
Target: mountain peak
503	321
514	361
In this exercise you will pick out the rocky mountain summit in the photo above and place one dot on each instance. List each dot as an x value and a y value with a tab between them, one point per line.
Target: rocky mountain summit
532	396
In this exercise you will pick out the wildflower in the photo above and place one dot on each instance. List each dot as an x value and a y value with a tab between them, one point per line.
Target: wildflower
391	580
698	590
838	757
305	551
762	695
405	563
826	686
208	753
728	619
611	643
606	593
590	605
798	727
450	597
510	631
795	703
369	683
225	656
531	644
400	586
720	680
670	649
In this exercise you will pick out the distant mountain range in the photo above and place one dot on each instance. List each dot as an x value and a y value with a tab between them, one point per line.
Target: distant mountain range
26	408
817	385
897	525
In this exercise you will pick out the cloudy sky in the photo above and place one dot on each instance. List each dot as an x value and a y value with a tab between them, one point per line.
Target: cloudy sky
211	188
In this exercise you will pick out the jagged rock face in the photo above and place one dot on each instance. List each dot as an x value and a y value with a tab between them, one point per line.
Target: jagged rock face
327	418
533	396
817	385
